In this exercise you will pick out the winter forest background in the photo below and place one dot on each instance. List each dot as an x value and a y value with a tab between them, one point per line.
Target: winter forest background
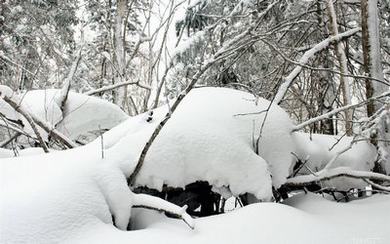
271	116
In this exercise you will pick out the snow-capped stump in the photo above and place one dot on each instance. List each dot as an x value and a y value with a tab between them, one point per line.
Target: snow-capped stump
210	138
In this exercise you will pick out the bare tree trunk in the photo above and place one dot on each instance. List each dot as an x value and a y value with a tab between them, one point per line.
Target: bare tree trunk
342	59
372	61
371	52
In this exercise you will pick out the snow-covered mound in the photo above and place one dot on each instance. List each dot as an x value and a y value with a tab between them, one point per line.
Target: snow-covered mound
85	114
304	219
48	198
210	137
82	114
71	196
51	198
64	197
82	119
318	150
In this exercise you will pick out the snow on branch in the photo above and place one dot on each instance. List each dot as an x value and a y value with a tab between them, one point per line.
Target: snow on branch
54	132
18	108
158	204
329	174
34	121
335	111
117	85
61	99
230	48
305	58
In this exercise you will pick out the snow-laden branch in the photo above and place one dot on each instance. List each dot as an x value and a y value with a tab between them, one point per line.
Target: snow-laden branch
225	51
158	204
117	85
54	132
305	58
18	108
34	121
329	174
61	99
335	111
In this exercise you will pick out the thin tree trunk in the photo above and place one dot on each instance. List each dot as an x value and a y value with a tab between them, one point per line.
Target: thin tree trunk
342	59
371	52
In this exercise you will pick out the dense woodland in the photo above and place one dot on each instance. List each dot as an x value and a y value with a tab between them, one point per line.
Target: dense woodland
316	73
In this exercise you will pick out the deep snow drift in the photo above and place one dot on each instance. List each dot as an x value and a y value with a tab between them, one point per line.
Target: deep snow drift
304	219
71	195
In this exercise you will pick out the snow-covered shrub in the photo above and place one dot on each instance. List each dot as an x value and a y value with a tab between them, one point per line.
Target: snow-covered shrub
315	151
211	138
82	119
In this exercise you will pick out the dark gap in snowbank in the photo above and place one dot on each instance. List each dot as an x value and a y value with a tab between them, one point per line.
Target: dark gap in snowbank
198	196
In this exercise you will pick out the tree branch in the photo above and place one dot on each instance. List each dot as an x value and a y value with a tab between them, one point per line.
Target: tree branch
227	48
117	85
335	111
158	204
305	58
18	108
329	174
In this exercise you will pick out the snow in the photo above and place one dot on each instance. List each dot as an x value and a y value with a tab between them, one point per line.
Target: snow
84	114
42	104
319	149
186	44
5	153
206	139
193	146
47	198
303	219
5	108
64	197
70	196
83	117
5	91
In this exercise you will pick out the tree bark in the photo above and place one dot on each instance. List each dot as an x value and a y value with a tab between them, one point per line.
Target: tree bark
371	52
342	59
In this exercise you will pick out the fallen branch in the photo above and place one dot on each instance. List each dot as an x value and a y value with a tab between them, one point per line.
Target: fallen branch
158	204
324	175
377	186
